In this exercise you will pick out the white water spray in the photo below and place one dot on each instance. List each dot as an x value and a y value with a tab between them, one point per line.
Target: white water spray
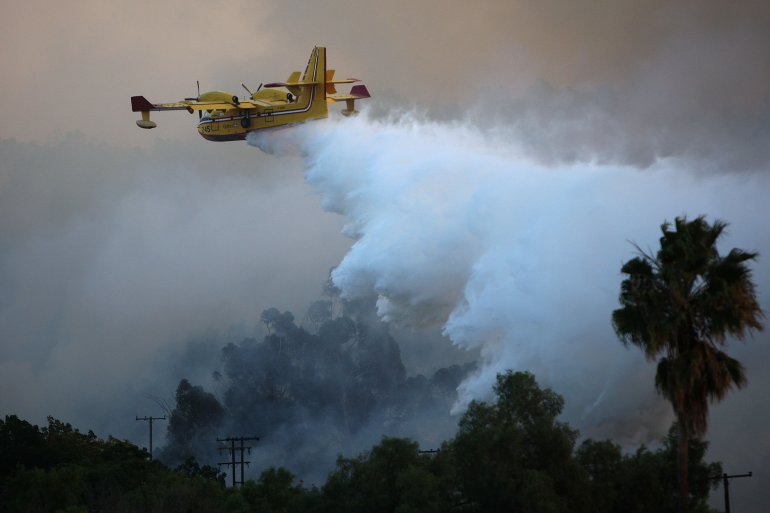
509	256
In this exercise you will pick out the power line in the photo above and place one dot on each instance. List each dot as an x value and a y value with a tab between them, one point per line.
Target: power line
726	485
232	463
150	419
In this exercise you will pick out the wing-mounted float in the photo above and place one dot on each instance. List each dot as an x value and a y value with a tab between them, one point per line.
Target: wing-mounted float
225	117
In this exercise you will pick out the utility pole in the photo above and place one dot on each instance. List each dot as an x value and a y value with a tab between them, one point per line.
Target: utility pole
726	485
150	419
232	463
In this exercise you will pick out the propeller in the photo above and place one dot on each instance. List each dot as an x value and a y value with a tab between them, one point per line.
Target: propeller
197	98
247	89
198	86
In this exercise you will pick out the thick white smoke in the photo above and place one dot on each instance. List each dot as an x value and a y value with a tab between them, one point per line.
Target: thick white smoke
510	256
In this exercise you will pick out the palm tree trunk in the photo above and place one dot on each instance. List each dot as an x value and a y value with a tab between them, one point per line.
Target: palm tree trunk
681	463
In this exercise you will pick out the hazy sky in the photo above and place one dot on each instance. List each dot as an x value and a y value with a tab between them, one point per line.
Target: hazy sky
684	77
119	245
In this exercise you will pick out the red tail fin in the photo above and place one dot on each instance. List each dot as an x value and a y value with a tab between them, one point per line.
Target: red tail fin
140	104
360	91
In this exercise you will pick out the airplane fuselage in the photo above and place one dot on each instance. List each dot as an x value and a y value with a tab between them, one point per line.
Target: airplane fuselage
233	124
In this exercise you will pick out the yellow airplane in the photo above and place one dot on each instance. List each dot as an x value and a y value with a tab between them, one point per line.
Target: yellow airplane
223	117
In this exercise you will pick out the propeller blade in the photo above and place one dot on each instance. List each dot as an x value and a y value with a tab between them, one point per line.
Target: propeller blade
198	85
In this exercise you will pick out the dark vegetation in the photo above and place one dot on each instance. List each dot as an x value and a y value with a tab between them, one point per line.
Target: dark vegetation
312	393
509	455
681	306
304	390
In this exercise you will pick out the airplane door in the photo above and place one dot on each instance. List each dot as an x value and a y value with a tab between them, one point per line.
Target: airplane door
268	115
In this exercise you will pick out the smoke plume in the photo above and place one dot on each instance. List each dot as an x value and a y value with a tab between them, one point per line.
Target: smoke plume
312	395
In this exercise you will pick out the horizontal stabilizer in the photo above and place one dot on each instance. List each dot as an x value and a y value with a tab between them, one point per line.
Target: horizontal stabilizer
330	89
358	92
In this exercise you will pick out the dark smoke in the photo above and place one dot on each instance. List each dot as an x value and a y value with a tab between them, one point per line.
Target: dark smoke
313	393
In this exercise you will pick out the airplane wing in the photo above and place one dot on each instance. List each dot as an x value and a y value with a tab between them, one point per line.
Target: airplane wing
294	81
301	83
141	104
242	104
291	84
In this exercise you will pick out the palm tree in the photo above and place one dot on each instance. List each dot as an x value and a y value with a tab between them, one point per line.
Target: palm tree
680	307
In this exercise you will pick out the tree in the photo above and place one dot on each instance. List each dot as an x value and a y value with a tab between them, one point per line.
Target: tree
275	492
58	469
192	423
191	468
392	478
603	464
21	443
319	312
645	481
680	306
514	455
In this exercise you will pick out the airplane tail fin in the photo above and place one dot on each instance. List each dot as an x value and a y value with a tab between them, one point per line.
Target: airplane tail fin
141	104
312	87
360	92
316	73
316	66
